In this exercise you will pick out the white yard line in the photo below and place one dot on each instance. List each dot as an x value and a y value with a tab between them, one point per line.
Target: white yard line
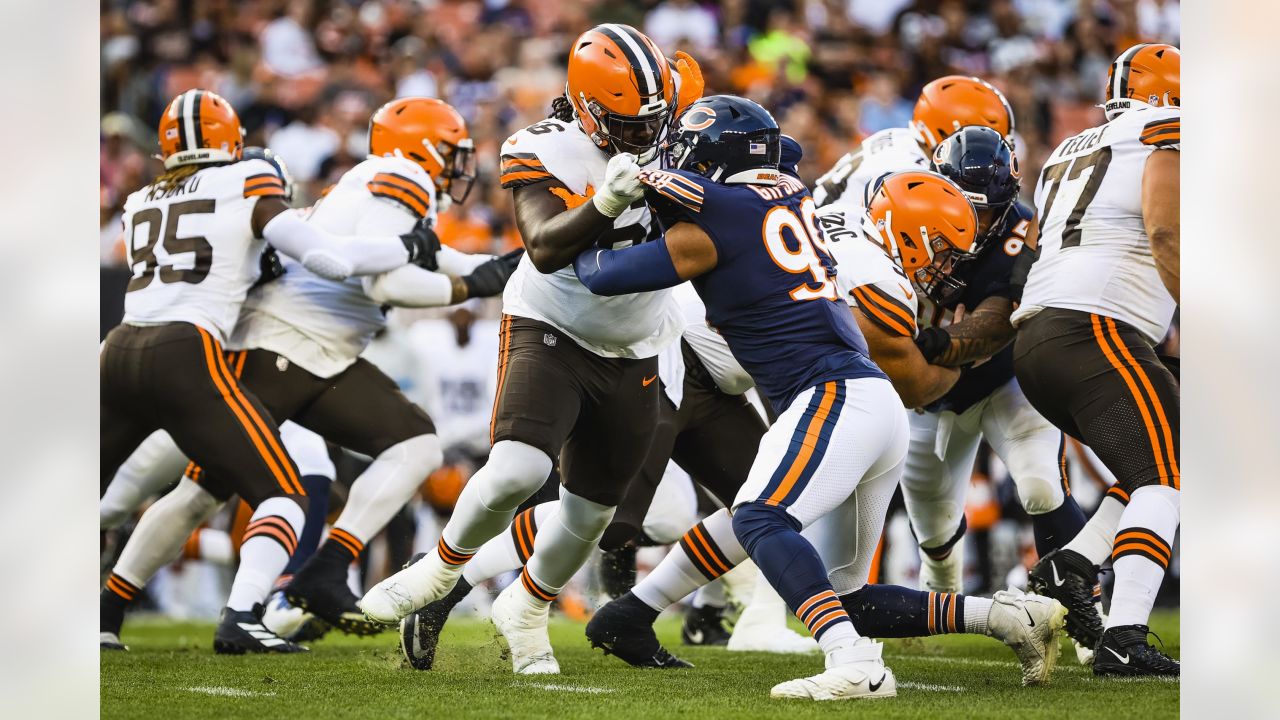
932	688
566	688
221	691
1061	666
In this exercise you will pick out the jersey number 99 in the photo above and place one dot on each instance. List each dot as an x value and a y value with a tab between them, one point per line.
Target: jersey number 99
798	254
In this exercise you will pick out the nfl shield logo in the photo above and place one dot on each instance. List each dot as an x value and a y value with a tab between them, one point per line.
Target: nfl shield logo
549	340
282	363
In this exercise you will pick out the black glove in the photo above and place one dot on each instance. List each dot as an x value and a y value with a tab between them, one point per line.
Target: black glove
490	278
932	342
422	244
269	266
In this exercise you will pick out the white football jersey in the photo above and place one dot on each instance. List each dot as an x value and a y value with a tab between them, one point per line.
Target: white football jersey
866	276
323	325
710	347
888	151
627	326
1094	253
192	249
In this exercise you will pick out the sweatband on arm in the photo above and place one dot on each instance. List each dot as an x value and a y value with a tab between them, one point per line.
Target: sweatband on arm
329	256
458	263
639	268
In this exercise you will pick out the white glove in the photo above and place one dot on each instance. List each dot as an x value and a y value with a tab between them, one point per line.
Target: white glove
621	185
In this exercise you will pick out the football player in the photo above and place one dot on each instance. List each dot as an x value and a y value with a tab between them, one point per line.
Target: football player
836	452
194	238
300	337
1098	300
577	376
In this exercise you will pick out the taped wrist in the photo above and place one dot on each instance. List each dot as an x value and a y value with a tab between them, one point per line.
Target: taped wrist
932	342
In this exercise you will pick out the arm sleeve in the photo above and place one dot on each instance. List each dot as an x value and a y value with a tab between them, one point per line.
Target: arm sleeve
409	286
639	268
332	257
458	263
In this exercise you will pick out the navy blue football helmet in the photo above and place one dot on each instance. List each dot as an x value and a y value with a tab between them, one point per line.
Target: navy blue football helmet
726	139
277	162
985	167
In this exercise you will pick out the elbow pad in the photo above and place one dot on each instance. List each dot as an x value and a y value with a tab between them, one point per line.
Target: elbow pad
327	264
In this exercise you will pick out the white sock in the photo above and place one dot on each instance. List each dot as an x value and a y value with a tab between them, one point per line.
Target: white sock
836	642
565	541
1094	539
162	531
706	552
976	612
489	501
767	608
152	466
214	546
388	484
710	595
512	549
1142	551
269	541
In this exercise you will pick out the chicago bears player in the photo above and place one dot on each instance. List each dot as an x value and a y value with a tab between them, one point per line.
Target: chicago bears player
837	449
1098	300
577	373
985	400
194	238
300	337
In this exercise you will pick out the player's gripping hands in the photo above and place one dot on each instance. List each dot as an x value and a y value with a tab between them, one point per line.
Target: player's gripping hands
489	278
422	244
621	185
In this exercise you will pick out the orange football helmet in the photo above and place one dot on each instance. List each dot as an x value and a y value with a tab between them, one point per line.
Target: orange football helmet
622	90
430	133
952	102
925	222
199	127
1145	75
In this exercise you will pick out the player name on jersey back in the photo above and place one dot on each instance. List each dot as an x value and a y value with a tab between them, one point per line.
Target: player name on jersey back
888	151
629	326
191	247
1094	253
324	325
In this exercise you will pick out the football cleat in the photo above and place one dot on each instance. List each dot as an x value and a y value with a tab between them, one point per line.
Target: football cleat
945	575
1124	651
321	590
283	617
1069	577
770	638
1029	625
624	628
521	620
425	581
865	676
240	632
110	641
704	626
420	631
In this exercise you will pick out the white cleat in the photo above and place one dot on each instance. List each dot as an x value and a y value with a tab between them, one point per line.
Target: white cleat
282	618
1030	626
865	676
423	582
764	638
521	620
1083	654
945	575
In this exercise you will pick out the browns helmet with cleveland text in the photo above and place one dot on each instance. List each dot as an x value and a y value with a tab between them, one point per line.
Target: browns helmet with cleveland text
199	127
1145	75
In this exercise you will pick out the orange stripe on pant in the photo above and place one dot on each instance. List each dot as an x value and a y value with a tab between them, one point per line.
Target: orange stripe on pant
810	440
504	347
1161	418
275	446
1137	396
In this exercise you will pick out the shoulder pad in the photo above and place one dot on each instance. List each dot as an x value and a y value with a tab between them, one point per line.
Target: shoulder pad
397	181
890	305
260	179
523	154
1162	129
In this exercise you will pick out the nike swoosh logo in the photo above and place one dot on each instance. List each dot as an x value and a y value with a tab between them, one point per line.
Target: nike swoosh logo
1057	581
695	637
907	291
1122	658
649	380
1029	618
874	686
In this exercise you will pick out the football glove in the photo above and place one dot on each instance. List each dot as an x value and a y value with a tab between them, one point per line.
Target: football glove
489	278
932	342
621	185
422	244
691	82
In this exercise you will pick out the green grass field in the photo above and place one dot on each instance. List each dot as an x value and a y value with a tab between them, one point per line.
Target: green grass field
171	672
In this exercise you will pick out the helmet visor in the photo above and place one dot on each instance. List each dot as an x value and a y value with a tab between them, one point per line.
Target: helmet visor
936	280
459	172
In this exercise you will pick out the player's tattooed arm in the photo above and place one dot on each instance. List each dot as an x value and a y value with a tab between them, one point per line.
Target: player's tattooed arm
554	235
1160	208
979	334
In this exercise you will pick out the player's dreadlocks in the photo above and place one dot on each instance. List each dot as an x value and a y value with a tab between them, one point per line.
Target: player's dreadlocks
561	109
170	179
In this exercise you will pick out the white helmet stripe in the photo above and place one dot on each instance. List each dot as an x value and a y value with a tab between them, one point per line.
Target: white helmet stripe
649	83
188	119
1120	72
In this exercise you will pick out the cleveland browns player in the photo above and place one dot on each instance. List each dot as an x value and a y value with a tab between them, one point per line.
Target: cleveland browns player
577	376
1097	301
193	240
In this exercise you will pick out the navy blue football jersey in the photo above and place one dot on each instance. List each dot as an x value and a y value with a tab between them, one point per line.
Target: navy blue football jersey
772	294
988	275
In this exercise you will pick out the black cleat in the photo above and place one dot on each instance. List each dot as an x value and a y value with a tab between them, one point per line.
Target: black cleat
1069	578
110	641
1124	651
321	589
241	632
624	628
618	571
704	626
420	631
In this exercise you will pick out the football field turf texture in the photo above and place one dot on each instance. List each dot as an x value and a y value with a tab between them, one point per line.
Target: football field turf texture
171	672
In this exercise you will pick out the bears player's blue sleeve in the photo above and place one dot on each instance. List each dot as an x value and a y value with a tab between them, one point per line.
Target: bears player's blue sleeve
647	266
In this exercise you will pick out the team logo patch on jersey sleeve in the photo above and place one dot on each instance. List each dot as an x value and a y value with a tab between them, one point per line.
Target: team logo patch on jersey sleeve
675	187
264	185
401	190
519	169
